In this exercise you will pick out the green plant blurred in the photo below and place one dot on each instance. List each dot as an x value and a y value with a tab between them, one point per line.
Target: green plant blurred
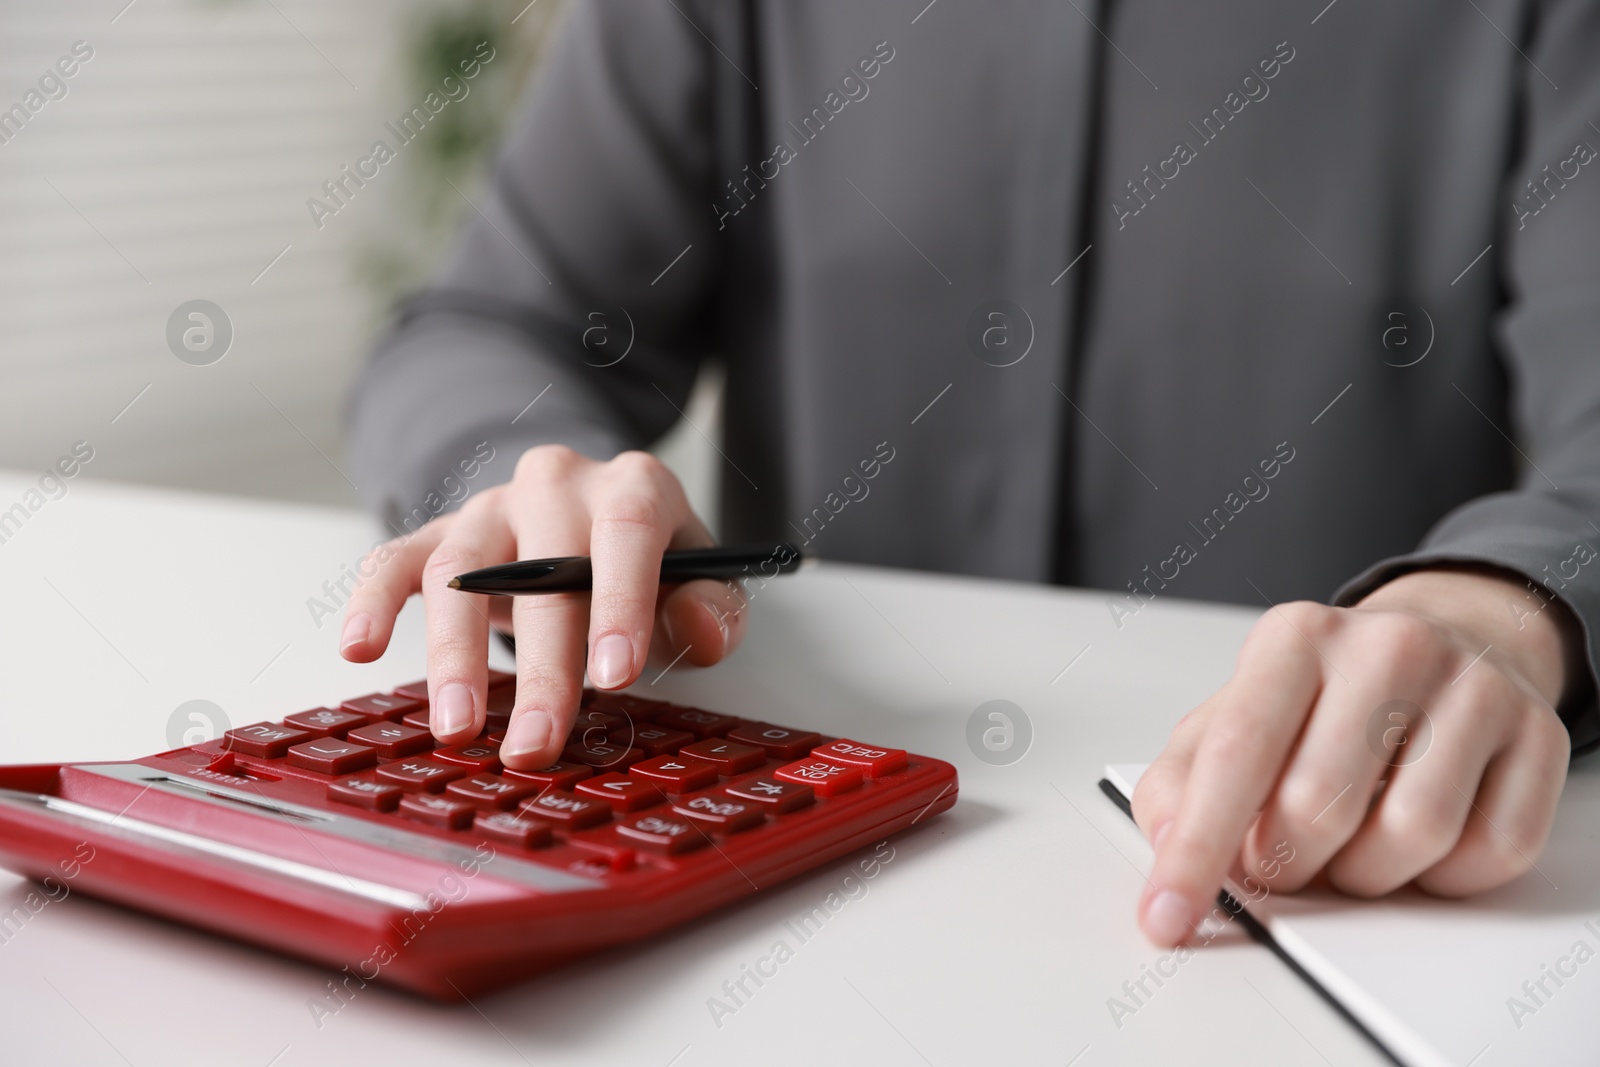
446	162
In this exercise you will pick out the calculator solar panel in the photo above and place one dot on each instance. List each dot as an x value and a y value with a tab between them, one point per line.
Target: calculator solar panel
346	835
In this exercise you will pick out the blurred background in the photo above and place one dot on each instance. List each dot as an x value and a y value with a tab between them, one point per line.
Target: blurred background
176	164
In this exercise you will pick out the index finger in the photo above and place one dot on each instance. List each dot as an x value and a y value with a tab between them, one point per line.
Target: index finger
1258	715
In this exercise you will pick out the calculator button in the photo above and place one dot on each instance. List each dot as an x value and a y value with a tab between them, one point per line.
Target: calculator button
478	756
698	722
513	828
661	833
777	797
418	719
730	756
268	740
621	792
381	706
602	754
332	756
392	739
719	811
779	742
676	774
568	811
601	721
500	703
874	762
489	791
556	776
606	851
417	690
324	722
437	811
420	775
365	793
651	739
501	678
636	708
825	776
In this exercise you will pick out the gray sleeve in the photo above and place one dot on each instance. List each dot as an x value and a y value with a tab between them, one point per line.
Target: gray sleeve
1545	529
562	267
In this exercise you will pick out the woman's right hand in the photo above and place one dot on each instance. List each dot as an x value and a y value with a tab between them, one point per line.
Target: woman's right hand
624	513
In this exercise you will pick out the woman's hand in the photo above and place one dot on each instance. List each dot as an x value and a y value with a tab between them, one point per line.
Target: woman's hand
624	513
1326	706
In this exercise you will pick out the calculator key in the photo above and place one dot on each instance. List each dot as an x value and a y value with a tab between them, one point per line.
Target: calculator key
437	811
392	739
418	719
651	739
489	791
497	679
500	703
513	828
825	776
874	762
417	690
602	722
636	708
779	742
567	811
779	798
494	737
603	845
324	722
380	706
671	834
556	776
676	774
719	811
621	792
332	756
421	774
268	740
602	754
730	756
698	722
475	754
366	793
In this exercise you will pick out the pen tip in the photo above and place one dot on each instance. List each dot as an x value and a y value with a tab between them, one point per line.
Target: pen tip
455	583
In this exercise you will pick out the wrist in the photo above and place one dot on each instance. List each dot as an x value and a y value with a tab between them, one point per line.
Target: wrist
1522	624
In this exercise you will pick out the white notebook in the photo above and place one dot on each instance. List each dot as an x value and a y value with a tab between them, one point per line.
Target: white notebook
1510	977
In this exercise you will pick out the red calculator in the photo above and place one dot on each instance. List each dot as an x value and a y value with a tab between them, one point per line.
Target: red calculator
347	836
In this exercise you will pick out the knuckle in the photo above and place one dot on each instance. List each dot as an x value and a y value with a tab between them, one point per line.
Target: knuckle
1288	627
544	687
1232	744
1304	800
1404	638
637	466
449	651
1421	824
628	513
546	464
447	561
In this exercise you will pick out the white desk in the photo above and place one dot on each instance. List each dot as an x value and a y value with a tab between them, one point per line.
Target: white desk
995	935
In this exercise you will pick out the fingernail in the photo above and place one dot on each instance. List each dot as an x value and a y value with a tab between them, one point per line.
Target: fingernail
1167	918
356	629
612	661
528	732
452	708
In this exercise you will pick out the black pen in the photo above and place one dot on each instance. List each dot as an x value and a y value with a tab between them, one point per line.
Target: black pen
569	574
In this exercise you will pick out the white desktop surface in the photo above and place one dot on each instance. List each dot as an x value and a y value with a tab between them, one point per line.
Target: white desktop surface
996	934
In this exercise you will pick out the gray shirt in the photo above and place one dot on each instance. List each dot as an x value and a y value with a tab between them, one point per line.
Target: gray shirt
1232	300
